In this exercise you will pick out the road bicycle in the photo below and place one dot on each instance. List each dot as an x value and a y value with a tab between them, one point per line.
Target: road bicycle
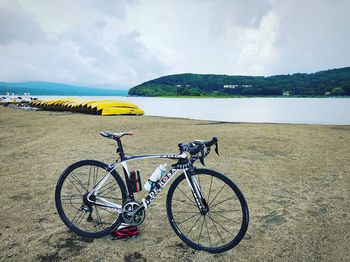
204	207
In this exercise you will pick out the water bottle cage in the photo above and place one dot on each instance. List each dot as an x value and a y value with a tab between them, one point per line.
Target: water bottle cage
152	183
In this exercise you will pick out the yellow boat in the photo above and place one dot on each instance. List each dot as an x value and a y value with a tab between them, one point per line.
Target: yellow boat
89	107
108	111
97	107
33	103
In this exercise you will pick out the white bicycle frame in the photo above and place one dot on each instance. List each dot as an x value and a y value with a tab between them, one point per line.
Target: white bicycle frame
104	203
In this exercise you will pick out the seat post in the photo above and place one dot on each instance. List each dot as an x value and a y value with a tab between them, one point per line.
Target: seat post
120	149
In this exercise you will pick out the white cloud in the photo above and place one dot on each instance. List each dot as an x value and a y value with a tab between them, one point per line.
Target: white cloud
128	42
312	35
16	25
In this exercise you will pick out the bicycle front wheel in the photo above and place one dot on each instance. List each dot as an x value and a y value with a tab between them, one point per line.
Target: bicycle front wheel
80	215
225	221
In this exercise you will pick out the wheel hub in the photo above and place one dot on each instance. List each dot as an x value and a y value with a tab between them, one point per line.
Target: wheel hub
205	208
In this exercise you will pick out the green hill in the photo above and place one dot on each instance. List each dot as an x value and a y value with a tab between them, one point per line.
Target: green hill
329	82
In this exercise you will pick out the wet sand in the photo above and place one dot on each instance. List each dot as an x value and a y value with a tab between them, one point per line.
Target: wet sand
296	180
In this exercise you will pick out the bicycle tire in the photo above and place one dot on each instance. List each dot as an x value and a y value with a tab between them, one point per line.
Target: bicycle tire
220	221
70	176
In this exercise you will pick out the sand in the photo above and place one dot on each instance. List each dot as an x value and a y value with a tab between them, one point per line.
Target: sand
296	180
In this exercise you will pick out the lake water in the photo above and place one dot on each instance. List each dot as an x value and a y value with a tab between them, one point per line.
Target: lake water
260	110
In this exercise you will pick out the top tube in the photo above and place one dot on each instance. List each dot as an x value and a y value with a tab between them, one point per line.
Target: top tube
147	156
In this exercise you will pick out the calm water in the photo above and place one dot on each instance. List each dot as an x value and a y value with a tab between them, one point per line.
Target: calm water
262	110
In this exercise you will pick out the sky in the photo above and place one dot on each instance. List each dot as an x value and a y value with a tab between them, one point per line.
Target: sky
122	43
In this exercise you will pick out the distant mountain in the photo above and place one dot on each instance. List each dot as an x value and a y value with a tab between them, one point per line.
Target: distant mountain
328	82
51	88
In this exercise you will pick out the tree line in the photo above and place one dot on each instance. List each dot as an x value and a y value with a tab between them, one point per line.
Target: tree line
333	82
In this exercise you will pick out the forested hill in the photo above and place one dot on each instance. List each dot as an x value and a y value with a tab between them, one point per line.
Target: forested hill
329	82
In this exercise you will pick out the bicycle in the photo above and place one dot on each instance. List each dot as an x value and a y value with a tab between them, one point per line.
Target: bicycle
205	208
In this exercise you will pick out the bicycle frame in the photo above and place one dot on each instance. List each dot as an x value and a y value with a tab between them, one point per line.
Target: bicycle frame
155	190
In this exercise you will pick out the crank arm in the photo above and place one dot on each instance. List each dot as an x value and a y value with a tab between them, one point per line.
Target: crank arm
136	210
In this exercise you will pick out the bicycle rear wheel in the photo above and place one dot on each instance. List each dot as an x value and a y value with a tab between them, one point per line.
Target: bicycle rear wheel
82	217
225	222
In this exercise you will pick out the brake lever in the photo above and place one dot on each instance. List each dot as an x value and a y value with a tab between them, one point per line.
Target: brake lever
201	157
217	148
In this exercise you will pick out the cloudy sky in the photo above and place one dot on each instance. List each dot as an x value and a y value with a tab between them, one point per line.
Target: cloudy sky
126	42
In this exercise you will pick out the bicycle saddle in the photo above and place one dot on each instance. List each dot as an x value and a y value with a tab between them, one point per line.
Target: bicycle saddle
115	136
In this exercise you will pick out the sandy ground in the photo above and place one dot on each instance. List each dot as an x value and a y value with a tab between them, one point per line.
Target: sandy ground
296	179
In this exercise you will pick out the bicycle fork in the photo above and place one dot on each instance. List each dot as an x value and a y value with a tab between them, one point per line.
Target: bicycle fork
196	192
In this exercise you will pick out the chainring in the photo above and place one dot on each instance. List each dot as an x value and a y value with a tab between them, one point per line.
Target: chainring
130	217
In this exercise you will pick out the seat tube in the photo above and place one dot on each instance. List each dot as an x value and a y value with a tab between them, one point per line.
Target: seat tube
120	151
128	182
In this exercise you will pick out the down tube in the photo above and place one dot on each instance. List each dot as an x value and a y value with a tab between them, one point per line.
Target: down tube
158	187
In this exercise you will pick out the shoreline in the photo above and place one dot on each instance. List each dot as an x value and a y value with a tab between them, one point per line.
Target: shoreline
193	119
325	111
180	97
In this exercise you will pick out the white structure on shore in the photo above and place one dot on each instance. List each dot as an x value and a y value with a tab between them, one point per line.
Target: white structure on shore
234	86
14	98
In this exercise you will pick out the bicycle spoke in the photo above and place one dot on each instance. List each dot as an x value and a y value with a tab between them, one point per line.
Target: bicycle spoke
89	178
79	182
94	222
193	225
200	232
187	196
217	213
181	201
211	182
217	194
223	201
207	230
81	219
68	201
220	225
79	210
98	217
187	212
75	186
104	187
217	230
225	211
188	218
114	187
70	197
94	179
76	214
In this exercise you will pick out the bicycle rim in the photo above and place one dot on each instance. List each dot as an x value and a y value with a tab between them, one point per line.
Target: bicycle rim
219	229
84	218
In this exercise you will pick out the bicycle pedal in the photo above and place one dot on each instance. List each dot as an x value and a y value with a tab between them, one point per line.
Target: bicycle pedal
126	233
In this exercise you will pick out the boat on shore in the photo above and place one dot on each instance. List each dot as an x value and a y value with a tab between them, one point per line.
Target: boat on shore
94	107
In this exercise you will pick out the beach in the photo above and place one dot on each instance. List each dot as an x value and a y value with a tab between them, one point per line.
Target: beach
295	178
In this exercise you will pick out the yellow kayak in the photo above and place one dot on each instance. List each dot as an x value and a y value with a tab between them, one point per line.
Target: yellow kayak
96	107
108	111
